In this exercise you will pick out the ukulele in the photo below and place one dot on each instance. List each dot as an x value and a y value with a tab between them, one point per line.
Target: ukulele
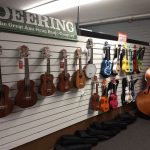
64	83
95	97
26	96
143	97
116	61
131	61
47	87
90	68
6	104
106	66
79	80
135	60
113	99
104	104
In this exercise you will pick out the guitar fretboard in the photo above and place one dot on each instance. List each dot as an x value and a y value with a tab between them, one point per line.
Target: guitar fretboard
27	82
48	65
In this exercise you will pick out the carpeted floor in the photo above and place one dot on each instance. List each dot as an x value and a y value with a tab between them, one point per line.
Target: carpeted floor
135	137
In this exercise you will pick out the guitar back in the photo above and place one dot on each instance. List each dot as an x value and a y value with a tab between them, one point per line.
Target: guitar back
47	87
26	97
6	104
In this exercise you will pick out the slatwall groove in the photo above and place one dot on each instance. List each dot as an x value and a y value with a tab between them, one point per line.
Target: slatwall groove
60	110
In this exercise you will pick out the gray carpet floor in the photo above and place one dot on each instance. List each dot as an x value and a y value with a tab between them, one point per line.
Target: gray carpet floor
135	137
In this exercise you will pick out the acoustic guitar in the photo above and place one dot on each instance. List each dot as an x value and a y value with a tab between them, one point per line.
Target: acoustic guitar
104	104
6	104
64	83
47	86
143	97
95	97
26	96
79	80
106	66
90	68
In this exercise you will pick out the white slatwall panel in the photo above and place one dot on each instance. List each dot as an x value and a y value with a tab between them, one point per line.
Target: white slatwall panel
50	113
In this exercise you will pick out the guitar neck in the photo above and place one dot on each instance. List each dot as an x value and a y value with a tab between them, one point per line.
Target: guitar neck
66	66
48	65
108	53
27	82
80	65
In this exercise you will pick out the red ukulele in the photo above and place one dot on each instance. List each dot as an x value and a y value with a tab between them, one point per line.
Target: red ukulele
6	104
26	96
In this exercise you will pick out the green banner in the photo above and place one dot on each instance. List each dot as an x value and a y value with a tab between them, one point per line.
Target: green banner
22	22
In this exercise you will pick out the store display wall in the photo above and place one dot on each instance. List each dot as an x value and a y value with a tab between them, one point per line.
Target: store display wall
60	110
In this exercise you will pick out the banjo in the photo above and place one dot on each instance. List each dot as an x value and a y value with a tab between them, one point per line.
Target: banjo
90	68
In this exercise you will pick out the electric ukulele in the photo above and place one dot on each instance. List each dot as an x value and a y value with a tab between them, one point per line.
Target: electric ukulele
106	66
116	61
64	83
104	104
131	61
79	80
6	104
95	97
47	86
90	68
26	95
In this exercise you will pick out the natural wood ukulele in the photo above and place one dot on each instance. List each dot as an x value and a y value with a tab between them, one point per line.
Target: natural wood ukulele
6	104
79	80
26	95
47	86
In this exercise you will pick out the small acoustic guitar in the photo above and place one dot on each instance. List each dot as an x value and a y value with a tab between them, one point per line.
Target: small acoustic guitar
6	104
79	80
47	86
64	83
26	95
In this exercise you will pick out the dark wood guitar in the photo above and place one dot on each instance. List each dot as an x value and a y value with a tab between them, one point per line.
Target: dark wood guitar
26	96
64	83
95	97
47	86
79	80
6	104
143	97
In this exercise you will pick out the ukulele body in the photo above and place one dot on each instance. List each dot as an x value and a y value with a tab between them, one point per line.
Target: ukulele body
106	68
6	104
95	101
125	65
104	105
80	79
116	67
64	83
47	87
23	99
113	100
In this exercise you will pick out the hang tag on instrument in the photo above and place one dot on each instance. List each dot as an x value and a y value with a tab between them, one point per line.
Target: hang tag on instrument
62	64
20	63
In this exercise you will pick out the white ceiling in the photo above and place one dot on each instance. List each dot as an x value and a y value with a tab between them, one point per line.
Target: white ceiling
104	9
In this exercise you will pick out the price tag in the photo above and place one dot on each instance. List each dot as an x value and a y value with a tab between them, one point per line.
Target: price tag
122	37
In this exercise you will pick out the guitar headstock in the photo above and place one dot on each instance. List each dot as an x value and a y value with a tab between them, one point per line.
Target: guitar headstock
78	52
46	52
64	53
89	44
24	51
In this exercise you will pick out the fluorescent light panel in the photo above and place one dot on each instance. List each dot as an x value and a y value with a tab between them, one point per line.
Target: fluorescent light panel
59	5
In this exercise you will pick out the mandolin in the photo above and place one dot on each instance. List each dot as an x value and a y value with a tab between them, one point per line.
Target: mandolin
104	104
6	104
79	80
143	97
95	97
90	68
26	95
106	66
64	83
47	86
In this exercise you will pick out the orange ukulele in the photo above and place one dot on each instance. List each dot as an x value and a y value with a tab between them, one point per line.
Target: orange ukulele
143	97
26	96
79	80
95	97
47	87
6	104
64	83
104	104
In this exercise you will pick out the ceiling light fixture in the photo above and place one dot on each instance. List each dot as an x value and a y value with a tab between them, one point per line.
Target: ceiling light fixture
59	5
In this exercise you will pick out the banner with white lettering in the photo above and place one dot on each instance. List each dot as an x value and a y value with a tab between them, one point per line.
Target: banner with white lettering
22	22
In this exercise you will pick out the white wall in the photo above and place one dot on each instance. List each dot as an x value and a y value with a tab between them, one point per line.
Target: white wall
54	112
